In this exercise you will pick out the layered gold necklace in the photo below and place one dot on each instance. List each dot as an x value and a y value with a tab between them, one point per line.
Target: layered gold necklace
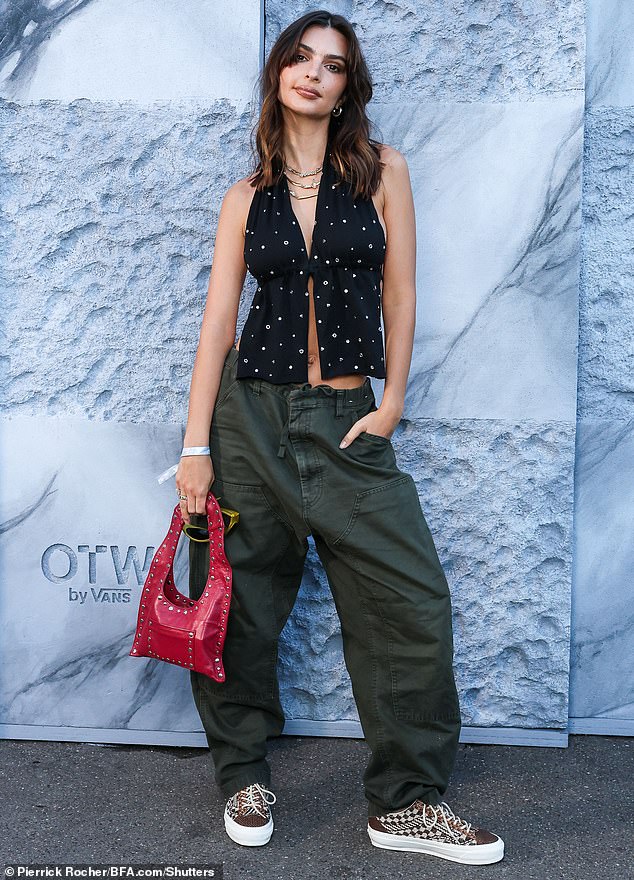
314	185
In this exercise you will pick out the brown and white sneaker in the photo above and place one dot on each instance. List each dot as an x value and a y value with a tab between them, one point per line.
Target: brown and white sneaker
248	818
436	830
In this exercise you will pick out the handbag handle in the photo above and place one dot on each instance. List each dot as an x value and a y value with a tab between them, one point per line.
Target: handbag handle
234	518
162	568
211	503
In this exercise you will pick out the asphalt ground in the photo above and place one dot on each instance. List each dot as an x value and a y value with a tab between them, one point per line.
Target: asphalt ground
564	814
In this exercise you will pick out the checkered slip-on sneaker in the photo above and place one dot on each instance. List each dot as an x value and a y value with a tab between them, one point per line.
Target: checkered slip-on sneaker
435	829
248	818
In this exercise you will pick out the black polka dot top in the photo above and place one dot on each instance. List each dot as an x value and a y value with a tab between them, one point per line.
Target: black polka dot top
346	261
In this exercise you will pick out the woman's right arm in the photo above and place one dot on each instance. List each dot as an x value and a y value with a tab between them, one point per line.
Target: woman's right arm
195	473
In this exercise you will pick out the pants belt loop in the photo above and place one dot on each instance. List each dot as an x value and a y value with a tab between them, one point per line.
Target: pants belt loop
256	386
339	402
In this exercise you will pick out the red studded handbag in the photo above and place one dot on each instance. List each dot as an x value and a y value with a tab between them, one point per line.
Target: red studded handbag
172	627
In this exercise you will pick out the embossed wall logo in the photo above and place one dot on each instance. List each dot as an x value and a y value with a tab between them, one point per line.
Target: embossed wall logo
85	567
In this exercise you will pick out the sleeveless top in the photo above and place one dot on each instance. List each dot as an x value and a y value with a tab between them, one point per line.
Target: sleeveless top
346	262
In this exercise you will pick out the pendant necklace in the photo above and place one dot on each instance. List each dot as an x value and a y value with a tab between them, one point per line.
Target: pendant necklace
314	185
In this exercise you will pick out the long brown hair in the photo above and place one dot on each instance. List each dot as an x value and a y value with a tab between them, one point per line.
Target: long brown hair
354	154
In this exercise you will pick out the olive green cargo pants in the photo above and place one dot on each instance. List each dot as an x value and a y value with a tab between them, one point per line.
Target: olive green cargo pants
276	456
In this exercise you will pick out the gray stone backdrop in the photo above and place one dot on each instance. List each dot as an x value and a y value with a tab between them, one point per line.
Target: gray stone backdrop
121	127
602	650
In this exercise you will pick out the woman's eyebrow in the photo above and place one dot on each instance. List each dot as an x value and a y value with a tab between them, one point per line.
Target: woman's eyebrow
304	46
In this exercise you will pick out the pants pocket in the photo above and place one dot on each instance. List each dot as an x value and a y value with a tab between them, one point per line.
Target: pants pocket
228	384
365	409
374	438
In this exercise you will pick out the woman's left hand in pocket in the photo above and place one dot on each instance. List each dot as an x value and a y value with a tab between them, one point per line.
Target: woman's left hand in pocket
374	423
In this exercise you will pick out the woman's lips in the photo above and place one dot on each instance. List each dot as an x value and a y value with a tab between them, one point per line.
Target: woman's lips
306	94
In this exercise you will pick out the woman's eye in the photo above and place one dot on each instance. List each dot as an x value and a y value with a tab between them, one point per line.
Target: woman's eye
332	67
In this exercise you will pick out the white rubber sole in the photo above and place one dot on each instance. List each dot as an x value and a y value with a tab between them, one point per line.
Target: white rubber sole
478	854
248	836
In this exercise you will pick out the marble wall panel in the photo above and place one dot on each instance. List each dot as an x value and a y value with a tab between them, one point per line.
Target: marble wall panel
108	225
606	334
609	74
144	52
471	50
602	663
602	680
82	515
497	190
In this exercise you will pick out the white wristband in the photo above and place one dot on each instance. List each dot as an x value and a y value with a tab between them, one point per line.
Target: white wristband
187	450
195	450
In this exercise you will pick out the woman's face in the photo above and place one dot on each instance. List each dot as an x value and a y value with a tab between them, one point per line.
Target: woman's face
319	67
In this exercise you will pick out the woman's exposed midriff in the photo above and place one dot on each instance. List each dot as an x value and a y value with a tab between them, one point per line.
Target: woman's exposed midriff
353	380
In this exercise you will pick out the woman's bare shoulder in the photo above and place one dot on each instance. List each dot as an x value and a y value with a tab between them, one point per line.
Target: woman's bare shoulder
238	199
391	157
393	162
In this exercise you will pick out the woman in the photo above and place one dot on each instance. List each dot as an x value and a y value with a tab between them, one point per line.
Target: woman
298	446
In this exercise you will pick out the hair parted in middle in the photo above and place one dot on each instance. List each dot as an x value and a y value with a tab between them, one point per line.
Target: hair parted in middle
354	154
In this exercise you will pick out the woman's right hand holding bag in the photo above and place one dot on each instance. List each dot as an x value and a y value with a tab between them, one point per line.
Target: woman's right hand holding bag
194	477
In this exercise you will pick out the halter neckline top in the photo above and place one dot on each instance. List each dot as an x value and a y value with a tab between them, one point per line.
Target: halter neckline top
346	258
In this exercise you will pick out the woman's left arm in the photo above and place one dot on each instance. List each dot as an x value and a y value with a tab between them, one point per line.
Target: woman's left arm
399	284
398	295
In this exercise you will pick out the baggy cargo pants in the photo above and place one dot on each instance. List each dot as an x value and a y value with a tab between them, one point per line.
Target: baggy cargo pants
277	461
